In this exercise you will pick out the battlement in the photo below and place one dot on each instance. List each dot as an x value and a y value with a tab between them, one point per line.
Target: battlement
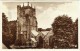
26	7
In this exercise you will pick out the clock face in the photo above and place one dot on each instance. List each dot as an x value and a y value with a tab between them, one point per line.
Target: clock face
27	11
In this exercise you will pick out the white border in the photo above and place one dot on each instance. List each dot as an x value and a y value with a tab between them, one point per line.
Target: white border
38	0
37	49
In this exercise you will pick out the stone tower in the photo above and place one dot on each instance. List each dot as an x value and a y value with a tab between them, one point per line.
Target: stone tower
26	21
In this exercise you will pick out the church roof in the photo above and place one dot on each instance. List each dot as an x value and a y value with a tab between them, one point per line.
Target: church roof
33	39
45	32
34	32
50	33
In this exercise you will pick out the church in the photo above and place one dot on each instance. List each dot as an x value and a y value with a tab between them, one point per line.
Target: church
26	22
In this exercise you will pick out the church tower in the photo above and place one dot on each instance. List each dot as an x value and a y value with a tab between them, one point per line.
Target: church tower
26	21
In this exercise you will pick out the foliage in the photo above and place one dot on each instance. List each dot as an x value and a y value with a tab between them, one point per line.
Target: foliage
76	32
63	32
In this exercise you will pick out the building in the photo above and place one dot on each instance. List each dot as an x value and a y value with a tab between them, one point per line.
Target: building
26	21
47	38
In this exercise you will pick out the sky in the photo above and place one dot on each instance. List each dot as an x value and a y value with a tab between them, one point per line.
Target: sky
46	12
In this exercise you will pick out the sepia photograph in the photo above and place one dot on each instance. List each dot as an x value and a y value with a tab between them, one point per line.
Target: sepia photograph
40	25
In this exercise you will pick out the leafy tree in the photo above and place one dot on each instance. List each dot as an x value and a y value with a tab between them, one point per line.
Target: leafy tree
5	31
76	32
12	30
63	32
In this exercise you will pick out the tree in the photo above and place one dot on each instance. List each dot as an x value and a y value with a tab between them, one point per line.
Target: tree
12	30
76	32
5	31
63	31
